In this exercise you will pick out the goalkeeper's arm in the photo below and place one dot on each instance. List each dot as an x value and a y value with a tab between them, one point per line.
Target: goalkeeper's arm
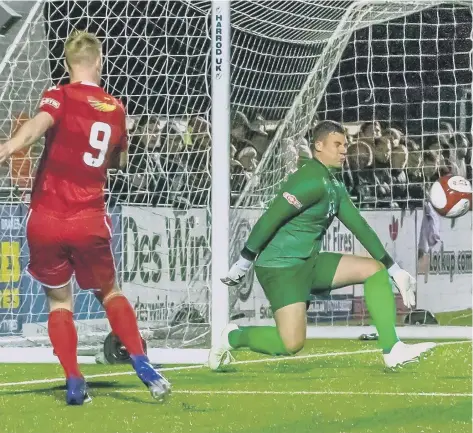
350	216
293	199
296	195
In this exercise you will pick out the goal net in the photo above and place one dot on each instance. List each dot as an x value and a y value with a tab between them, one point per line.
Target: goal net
292	63
398	76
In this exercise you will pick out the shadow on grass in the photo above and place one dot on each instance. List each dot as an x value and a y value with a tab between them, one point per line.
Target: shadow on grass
59	388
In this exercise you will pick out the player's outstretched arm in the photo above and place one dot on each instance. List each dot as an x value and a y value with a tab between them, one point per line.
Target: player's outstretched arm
351	217
295	196
27	135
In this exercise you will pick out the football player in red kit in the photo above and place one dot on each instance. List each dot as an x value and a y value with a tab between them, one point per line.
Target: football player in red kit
68	229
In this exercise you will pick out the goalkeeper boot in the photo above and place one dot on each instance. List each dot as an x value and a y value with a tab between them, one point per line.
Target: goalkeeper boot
158	386
402	354
219	355
77	393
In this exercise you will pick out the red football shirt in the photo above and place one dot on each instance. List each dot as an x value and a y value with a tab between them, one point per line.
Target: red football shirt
89	125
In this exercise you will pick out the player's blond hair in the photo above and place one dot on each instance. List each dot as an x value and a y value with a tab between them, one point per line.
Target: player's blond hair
82	48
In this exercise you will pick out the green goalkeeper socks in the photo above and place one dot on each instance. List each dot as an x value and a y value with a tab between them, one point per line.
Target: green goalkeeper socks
379	299
261	339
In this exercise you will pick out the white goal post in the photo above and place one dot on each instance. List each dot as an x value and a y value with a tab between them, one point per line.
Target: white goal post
220	96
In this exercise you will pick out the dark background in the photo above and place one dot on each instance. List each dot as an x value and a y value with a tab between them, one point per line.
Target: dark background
415	68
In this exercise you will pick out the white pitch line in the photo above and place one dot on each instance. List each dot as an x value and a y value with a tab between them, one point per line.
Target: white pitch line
194	367
367	393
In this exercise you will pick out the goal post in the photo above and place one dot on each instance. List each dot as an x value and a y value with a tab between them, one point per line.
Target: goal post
220	96
220	205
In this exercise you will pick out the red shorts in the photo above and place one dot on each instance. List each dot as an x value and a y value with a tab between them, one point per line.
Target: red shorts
61	247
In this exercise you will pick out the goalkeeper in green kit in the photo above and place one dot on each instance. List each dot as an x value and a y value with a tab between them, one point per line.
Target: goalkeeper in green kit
285	247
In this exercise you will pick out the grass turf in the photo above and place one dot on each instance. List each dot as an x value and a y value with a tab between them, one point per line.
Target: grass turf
327	394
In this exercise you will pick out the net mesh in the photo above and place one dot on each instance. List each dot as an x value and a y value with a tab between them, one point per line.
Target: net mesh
292	63
398	77
157	57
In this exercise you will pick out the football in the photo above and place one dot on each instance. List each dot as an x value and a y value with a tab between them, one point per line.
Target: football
451	196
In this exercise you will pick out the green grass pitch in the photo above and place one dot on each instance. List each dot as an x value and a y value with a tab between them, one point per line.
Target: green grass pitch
333	386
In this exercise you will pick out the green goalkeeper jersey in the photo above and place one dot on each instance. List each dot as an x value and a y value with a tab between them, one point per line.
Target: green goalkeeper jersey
292	228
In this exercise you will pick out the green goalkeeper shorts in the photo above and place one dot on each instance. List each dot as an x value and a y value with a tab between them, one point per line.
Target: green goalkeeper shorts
289	285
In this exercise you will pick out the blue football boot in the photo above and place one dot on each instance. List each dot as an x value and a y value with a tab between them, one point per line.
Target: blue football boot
158	386
77	391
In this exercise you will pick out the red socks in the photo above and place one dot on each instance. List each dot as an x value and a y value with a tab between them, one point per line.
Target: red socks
63	336
124	325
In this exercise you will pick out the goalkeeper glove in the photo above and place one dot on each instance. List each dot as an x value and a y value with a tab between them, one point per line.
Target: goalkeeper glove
237	272
405	283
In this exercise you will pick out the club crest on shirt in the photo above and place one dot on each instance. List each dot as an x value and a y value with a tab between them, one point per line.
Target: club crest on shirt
100	105
292	200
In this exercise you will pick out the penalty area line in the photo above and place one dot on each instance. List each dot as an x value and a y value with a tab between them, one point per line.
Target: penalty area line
195	367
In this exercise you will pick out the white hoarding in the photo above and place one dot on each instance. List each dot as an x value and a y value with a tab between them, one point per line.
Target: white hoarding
166	264
163	251
444	280
397	231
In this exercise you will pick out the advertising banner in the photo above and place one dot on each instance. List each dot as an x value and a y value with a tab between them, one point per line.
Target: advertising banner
163	252
444	281
12	262
163	263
